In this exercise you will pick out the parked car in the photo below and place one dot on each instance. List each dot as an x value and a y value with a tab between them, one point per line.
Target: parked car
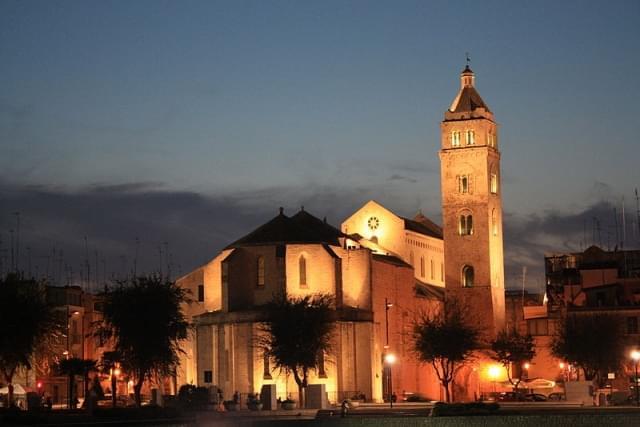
416	397
556	397
511	396
535	397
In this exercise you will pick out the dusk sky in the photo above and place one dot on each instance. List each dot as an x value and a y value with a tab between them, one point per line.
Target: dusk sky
191	122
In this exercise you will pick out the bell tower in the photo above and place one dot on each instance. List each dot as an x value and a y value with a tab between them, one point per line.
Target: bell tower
472	207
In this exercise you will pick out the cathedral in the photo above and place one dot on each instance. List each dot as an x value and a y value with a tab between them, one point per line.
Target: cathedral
382	269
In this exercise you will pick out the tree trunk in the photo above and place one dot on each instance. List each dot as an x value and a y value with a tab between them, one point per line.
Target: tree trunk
86	388
301	385
113	389
70	403
8	377
447	395
137	388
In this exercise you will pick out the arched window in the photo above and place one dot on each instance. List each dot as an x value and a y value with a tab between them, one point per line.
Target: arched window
421	266
471	137
455	138
260	271
463	184
302	270
467	276
465	227
494	223
493	183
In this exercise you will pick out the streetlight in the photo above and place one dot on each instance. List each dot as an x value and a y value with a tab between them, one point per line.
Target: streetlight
389	359
635	355
494	373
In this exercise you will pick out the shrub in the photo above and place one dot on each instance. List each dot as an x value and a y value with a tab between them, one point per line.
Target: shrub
463	409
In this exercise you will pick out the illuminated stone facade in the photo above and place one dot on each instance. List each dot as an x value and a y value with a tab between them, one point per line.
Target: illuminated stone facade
383	269
472	206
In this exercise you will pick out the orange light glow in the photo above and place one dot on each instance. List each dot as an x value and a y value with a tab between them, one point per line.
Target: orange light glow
561	365
526	366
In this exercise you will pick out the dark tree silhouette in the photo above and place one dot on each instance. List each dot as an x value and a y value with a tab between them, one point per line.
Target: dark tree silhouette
297	332
144	319
27	322
593	342
512	350
445	340
73	367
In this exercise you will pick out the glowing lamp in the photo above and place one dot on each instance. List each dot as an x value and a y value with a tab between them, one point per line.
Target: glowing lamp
390	358
65	352
526	366
561	365
635	355
116	372
494	372
39	385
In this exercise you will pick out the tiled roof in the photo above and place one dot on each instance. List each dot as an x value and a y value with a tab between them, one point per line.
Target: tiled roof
429	291
423	225
300	228
390	259
468	100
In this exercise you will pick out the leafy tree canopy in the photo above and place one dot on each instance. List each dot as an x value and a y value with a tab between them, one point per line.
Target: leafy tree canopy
446	340
298	330
512	349
27	321
594	342
143	317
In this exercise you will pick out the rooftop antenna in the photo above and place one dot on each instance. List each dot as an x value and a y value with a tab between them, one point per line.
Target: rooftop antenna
17	214
624	225
615	218
638	213
86	263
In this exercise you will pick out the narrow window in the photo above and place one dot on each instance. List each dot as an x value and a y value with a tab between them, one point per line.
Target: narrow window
442	272
494	183
321	372
464	184
455	138
208	377
411	259
260	271
302	269
465	226
225	274
421	266
432	270
467	276
632	325
471	137
266	372
200	293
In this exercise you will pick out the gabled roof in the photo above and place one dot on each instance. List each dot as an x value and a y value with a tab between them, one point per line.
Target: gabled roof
423	225
300	228
390	259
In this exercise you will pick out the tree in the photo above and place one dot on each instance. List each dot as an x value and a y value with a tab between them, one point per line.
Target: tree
296	334
76	366
27	321
446	341
593	342
144	319
512	350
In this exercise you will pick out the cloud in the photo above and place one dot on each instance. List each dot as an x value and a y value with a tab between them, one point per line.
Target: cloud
396	177
185	228
528	238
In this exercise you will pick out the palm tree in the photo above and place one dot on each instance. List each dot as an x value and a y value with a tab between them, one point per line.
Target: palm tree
297	332
27	322
76	366
144	319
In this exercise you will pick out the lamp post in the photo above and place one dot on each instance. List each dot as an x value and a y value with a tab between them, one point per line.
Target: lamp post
635	355
389	359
